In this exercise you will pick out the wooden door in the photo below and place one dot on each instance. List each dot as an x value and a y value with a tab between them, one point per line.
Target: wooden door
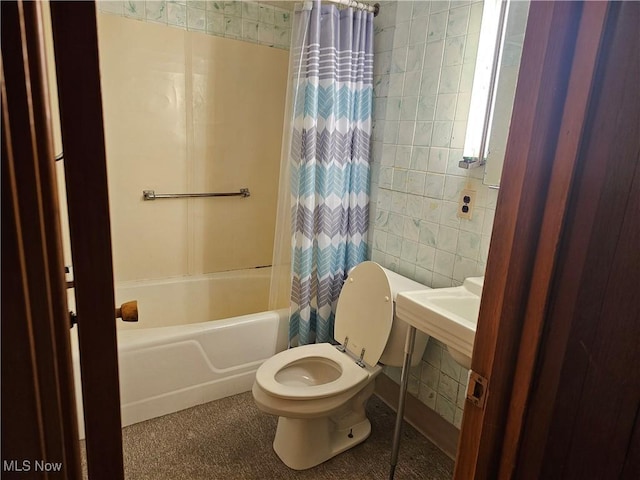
566	221
585	400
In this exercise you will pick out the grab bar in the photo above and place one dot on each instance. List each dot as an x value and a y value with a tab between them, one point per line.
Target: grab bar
152	195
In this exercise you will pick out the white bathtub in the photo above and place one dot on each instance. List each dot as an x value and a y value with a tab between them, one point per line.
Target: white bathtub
164	369
196	299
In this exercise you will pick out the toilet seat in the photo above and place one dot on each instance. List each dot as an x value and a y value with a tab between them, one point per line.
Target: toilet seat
351	375
363	320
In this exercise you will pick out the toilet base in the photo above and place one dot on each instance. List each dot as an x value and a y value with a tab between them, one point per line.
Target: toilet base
312	431
305	443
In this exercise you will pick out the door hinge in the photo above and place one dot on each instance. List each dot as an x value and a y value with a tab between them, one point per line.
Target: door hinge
477	389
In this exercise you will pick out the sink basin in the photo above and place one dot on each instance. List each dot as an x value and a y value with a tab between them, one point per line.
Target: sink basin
447	314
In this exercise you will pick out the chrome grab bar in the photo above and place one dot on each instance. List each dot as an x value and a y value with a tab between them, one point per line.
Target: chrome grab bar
152	195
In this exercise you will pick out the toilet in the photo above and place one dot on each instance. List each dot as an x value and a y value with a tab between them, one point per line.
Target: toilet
319	391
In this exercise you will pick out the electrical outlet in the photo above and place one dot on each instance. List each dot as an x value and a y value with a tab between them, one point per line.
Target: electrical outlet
467	203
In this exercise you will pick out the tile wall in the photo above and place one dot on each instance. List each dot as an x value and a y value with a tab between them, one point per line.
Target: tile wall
248	21
424	63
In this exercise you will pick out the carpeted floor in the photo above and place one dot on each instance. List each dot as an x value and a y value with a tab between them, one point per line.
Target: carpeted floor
231	439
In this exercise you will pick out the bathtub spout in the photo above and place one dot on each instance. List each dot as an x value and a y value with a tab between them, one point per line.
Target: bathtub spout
128	311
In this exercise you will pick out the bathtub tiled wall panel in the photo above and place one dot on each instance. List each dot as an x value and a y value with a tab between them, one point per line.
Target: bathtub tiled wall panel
180	116
424	64
248	21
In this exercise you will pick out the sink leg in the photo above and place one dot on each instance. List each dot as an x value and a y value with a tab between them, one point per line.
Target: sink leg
404	381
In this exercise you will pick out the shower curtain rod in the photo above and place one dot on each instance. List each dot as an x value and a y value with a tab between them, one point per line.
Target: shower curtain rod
359	5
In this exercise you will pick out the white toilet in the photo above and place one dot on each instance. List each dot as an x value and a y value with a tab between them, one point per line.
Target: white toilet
319	391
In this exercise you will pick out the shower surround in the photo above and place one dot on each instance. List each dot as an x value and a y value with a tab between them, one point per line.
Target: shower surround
189	112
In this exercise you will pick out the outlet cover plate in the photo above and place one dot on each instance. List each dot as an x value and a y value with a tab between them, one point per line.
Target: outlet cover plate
467	203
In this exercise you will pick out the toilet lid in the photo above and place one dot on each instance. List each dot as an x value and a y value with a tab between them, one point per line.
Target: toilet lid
365	312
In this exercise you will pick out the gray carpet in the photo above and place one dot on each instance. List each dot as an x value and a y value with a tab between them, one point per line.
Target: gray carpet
231	439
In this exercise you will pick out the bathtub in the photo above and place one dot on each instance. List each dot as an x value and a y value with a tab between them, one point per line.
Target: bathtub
198	339
196	299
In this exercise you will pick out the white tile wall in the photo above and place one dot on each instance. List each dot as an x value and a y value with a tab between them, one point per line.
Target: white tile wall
425	58
241	20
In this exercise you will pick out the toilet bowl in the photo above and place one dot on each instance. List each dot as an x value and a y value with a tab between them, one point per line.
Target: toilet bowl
319	391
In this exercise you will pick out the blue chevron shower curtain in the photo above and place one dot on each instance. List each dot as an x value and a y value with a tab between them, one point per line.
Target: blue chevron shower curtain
329	162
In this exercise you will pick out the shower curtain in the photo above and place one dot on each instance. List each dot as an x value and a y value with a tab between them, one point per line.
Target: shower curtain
327	160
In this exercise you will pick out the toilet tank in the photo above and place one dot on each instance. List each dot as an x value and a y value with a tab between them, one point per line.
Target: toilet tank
393	354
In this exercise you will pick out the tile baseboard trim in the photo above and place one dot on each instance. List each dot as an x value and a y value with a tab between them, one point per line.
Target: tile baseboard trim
435	428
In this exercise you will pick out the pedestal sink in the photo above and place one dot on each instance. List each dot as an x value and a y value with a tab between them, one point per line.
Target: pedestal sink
447	314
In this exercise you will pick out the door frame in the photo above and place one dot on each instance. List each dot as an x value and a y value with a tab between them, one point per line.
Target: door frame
75	38
38	400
